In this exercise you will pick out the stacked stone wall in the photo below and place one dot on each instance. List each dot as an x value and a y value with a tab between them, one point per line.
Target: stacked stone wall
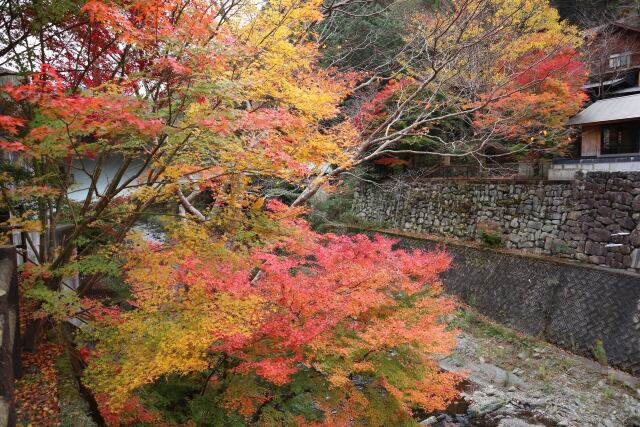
595	219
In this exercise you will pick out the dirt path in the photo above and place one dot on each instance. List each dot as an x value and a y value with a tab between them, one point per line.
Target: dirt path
515	380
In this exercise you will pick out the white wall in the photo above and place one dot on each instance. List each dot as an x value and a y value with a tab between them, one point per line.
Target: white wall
567	172
82	180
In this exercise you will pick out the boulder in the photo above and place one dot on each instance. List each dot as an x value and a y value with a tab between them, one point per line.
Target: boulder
514	422
429	421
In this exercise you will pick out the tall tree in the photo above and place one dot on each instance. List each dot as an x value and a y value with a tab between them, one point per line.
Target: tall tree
462	59
199	98
180	105
147	102
211	99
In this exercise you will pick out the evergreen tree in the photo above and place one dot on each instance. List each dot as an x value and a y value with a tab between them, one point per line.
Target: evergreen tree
589	12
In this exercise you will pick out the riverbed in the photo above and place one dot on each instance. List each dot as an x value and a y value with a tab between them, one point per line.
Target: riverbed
514	380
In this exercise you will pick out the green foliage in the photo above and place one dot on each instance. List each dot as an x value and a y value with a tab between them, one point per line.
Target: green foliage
100	263
180	399
447	129
74	411
384	412
369	36
490	234
362	40
593	11
559	247
297	399
430	137
206	411
495	330
59	305
471	322
36	18
171	397
599	352
336	208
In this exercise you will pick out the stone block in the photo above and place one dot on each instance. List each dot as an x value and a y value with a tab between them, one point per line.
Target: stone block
604	220
626	223
582	257
592	248
635	259
534	225
574	215
621	207
619	197
604	211
599	235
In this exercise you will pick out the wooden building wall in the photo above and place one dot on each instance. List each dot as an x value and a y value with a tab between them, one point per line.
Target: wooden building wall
591	136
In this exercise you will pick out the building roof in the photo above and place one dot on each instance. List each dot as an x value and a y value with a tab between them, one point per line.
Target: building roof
609	110
605	83
631	23
8	76
627	91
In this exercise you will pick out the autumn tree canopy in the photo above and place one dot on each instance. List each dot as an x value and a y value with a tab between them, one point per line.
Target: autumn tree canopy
306	330
193	112
187	96
470	74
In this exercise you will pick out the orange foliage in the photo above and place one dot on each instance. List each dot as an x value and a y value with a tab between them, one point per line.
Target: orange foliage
538	100
324	305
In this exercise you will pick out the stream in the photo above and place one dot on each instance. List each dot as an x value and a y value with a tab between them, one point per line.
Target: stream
516	381
463	413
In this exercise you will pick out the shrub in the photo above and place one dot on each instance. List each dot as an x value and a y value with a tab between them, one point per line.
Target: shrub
310	329
599	353
490	234
335	208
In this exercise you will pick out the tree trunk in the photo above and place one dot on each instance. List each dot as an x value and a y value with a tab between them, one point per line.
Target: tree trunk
78	366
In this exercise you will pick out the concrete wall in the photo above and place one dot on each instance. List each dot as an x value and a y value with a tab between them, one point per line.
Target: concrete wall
595	220
570	305
109	168
567	171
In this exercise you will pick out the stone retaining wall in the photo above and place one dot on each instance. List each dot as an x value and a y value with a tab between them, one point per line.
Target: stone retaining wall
572	306
595	219
568	304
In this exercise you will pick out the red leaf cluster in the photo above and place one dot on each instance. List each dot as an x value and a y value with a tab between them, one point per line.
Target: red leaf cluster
36	393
